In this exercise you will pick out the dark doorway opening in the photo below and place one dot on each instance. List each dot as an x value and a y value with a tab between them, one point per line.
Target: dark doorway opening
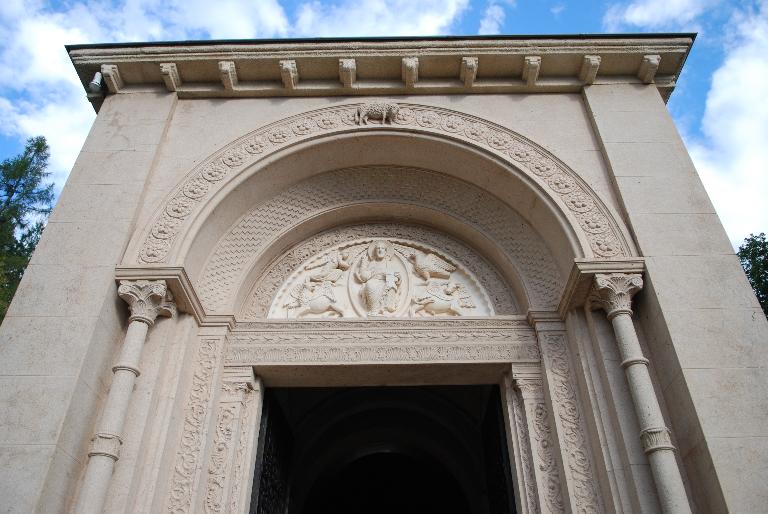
405	450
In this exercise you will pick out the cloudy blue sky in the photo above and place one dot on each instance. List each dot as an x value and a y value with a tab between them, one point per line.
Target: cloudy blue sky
720	105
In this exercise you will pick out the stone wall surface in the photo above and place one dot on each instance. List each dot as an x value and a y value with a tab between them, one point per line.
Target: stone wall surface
58	339
705	330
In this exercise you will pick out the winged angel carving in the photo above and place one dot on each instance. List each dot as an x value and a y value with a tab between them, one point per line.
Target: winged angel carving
315	294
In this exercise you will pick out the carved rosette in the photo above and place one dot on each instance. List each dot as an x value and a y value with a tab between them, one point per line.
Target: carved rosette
562	183
147	299
613	292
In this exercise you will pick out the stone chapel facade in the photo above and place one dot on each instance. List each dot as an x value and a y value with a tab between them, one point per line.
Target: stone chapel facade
479	273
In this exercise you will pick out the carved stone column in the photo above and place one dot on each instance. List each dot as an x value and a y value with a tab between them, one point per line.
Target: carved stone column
548	488
230	468
147	300
518	441
613	292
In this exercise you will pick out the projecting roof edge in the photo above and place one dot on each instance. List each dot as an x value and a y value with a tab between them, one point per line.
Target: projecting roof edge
385	66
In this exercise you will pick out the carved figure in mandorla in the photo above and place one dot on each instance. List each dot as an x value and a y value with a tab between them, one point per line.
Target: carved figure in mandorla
381	285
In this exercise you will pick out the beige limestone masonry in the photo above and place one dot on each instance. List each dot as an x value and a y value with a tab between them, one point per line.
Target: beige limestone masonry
509	211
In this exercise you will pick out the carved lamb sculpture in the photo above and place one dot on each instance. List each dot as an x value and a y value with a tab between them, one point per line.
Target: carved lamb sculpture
376	111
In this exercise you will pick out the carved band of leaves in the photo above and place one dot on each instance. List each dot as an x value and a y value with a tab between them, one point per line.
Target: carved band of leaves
187	457
179	207
453	123
255	145
566	407
196	188
280	135
562	184
233	158
577	201
542	167
166	227
428	119
348	116
304	126
327	121
499	140
594	223
521	153
214	171
405	116
606	246
476	131
155	250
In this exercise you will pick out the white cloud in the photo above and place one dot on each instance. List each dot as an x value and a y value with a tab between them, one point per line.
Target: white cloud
655	14
732	158
378	17
65	124
41	94
494	16
228	19
492	20
557	9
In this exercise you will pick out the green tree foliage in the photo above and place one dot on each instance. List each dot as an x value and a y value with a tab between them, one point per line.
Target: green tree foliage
754	259
25	202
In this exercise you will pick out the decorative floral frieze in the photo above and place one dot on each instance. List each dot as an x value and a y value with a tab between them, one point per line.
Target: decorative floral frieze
572	439
556	178
358	353
187	463
395	340
544	448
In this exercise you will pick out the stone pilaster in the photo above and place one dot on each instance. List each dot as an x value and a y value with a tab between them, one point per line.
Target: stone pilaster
519	443
549	496
230	466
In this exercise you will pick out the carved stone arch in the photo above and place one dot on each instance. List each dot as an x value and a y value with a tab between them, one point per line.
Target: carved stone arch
594	231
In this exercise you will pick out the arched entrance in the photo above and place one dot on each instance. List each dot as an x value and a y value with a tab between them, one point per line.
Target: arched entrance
436	449
339	260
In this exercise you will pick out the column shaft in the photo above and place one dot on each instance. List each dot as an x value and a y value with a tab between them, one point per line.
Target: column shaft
613	292
145	298
654	434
